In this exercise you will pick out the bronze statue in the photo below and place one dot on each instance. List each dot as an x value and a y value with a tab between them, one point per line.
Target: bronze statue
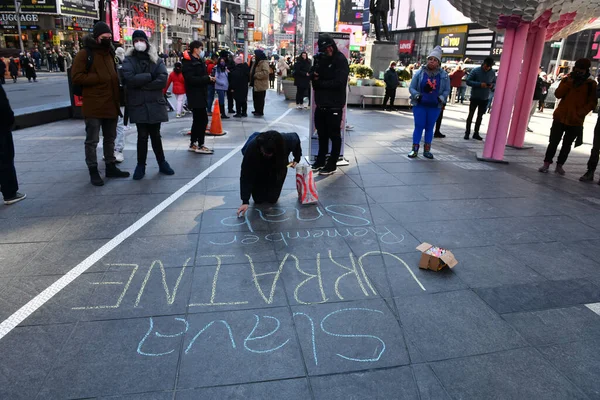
379	14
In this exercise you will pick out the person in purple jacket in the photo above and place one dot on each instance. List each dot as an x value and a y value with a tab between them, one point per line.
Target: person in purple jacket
221	73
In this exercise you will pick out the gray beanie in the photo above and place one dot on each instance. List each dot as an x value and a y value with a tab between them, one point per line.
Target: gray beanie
437	53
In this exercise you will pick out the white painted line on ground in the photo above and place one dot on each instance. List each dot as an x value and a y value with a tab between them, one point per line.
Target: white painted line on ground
22	313
595	307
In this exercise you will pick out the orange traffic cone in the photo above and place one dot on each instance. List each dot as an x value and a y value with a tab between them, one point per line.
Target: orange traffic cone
216	127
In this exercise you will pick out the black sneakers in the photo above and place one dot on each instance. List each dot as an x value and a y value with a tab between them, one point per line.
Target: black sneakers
317	167
327	171
15	199
95	177
113	172
477	137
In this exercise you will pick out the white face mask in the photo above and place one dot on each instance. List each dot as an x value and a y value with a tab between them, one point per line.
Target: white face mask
202	54
140	46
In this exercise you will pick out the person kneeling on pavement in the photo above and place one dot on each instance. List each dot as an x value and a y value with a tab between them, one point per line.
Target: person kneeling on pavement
264	166
145	77
577	93
101	108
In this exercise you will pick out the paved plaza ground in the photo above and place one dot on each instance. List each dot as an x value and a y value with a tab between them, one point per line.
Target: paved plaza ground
153	289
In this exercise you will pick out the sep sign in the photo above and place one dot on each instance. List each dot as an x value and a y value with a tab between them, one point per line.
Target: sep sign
193	6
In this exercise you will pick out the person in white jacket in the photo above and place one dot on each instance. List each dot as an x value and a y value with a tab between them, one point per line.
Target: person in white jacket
282	68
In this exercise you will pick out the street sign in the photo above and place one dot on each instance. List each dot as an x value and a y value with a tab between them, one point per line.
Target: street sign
555	45
246	17
193	6
250	24
284	37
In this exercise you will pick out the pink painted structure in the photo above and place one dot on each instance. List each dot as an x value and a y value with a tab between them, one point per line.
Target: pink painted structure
527	24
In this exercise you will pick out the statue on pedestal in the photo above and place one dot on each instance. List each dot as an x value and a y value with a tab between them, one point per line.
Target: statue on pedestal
379	15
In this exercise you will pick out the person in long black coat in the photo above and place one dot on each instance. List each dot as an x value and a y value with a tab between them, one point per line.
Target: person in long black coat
9	185
2	71
145	76
196	89
302	78
239	78
28	65
13	68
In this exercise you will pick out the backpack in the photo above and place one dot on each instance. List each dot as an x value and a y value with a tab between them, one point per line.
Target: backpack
78	89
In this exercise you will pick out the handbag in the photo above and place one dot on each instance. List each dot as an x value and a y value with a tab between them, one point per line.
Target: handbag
305	183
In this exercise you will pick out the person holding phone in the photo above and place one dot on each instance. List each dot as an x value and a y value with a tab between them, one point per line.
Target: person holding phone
481	80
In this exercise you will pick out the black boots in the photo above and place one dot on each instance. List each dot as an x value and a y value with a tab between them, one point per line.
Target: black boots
113	172
95	177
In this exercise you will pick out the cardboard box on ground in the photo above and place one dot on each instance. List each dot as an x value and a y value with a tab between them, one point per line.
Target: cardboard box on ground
435	258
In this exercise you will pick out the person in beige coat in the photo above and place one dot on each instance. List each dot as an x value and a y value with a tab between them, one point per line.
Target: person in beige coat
259	80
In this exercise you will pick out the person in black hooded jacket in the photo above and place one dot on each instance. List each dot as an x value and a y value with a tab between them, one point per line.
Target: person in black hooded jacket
239	78
330	81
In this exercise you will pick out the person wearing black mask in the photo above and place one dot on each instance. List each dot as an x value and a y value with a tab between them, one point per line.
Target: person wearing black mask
101	108
329	80
577	94
196	87
145	76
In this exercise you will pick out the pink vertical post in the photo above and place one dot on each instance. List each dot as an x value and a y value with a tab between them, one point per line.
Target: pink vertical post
509	93
535	59
509	37
525	88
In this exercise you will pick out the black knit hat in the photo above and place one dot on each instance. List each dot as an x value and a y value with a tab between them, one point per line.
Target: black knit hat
139	35
100	28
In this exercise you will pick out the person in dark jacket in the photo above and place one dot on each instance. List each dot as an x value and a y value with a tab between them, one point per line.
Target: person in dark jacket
595	153
13	68
391	84
537	95
29	68
196	88
264	167
2	71
9	186
101	105
302	79
145	76
330	81
238	81
481	79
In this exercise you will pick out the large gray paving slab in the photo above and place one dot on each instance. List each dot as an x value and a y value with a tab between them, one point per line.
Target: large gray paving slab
23	230
15	257
460	322
292	389
559	227
429	385
173	223
397	383
540	295
236	246
101	358
442	210
350	336
94	227
492	266
578	361
28	355
514	374
554	261
555	326
240	347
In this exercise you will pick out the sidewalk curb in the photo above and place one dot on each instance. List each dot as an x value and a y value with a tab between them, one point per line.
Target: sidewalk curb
40	115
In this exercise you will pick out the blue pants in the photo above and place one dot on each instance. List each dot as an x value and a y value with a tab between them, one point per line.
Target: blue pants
425	118
211	97
221	95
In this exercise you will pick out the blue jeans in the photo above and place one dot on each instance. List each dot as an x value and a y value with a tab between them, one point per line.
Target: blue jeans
461	94
221	94
211	97
425	118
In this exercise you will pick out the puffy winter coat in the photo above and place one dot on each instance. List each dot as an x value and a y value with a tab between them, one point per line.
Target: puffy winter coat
302	68
100	84
222	82
239	79
260	71
145	76
178	83
196	80
577	100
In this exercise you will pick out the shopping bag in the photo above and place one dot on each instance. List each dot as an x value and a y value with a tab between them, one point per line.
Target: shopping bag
305	183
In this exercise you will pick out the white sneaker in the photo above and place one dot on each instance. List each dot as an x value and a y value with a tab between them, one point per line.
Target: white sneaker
119	157
178	116
299	107
204	150
349	127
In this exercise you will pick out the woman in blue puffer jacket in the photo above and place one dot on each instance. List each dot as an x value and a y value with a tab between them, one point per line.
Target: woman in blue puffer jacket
221	73
429	90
